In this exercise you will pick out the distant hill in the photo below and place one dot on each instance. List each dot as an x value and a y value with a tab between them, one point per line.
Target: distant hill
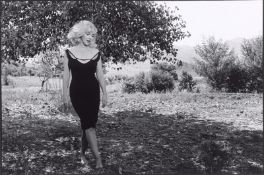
186	53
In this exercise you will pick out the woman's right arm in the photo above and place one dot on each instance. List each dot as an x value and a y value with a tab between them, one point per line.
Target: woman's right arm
66	78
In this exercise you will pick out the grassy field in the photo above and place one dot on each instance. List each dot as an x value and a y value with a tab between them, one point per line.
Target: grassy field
138	133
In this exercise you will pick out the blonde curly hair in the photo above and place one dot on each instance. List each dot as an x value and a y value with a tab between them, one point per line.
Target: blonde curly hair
79	29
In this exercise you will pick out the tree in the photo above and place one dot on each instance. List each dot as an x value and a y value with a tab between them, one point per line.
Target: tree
253	61
187	82
50	65
215	63
126	29
252	52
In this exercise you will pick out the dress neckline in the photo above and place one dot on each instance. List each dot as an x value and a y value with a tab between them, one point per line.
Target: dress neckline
89	60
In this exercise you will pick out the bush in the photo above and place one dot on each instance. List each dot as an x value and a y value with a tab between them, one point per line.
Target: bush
146	82
187	82
128	87
254	80
161	81
166	67
237	78
143	82
240	78
118	78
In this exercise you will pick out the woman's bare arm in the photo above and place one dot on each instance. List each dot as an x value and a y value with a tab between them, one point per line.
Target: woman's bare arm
66	77
100	76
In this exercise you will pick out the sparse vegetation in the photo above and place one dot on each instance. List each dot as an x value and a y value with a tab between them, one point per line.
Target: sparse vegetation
187	82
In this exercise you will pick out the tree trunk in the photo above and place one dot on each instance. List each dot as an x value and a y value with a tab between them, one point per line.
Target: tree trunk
6	83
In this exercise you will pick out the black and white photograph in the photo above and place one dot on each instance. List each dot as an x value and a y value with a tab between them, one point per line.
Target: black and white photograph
132	87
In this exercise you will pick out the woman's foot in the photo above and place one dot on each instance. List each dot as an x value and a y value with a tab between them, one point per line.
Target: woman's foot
99	163
83	159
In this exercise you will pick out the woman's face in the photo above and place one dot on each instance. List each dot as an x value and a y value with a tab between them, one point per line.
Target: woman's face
88	38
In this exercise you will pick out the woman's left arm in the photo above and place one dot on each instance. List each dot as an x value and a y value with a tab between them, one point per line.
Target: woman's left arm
101	80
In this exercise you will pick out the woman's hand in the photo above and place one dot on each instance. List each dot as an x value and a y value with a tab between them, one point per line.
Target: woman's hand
104	100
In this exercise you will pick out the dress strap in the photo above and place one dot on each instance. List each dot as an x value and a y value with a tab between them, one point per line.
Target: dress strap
70	53
98	56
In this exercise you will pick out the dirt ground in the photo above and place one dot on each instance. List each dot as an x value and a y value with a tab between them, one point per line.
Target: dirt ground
137	133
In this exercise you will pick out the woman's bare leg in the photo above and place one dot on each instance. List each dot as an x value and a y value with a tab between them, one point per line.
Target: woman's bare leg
84	147
92	140
84	142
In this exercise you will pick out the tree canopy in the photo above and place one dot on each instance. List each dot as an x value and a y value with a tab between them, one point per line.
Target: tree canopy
216	59
126	29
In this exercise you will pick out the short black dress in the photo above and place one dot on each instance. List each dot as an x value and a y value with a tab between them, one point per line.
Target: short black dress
84	89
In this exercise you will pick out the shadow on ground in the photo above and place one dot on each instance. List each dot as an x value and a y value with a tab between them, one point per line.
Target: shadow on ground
131	142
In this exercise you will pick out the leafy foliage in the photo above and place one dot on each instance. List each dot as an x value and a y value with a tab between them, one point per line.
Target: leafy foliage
225	72
15	69
187	82
253	57
162	81
119	78
126	29
166	67
143	82
129	87
140	83
50	65
216	61
154	80
252	52
237	78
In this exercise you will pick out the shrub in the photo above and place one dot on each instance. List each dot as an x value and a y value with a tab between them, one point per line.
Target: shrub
187	82
146	82
161	81
254	80
237	78
166	67
142	82
128	87
118	78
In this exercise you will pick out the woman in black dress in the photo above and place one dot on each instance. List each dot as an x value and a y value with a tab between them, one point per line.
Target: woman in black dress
83	76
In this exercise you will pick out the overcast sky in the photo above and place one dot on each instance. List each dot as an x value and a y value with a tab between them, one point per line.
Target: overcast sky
223	19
